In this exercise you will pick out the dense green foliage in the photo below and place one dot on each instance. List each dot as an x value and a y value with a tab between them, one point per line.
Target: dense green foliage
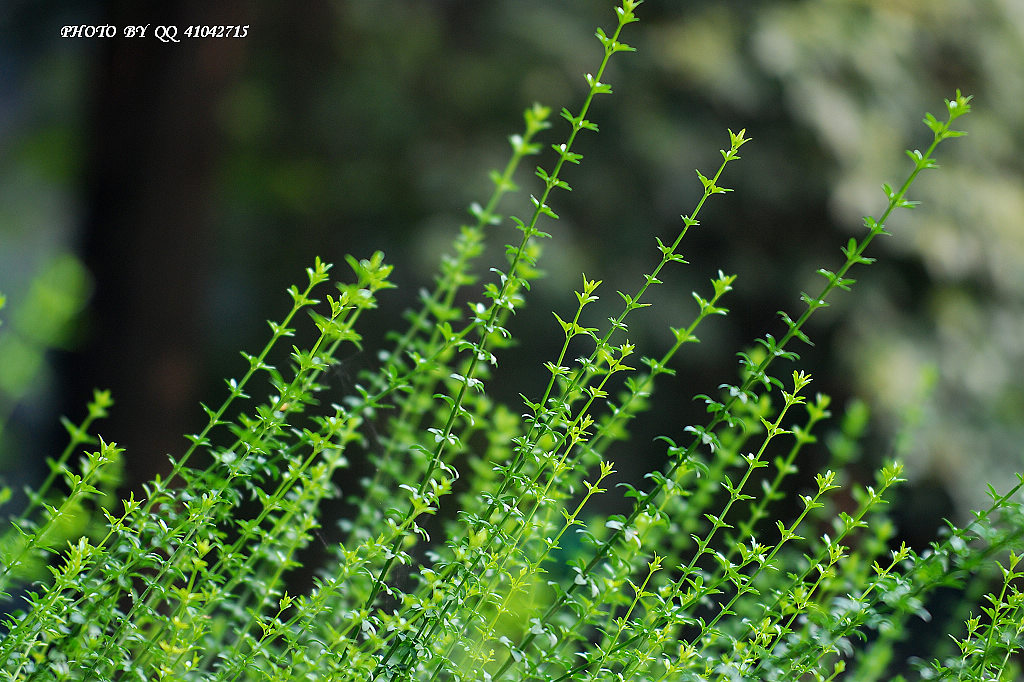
477	548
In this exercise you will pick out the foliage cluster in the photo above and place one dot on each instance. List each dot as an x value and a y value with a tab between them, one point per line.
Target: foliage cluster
476	548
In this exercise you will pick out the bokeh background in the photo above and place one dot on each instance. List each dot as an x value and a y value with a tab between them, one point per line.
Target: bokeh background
160	198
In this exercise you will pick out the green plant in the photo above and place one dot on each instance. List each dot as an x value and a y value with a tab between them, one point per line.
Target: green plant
475	550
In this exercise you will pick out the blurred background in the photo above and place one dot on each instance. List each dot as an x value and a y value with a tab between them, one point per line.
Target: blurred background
159	198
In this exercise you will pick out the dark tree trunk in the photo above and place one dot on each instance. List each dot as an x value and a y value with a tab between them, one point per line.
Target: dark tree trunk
147	234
